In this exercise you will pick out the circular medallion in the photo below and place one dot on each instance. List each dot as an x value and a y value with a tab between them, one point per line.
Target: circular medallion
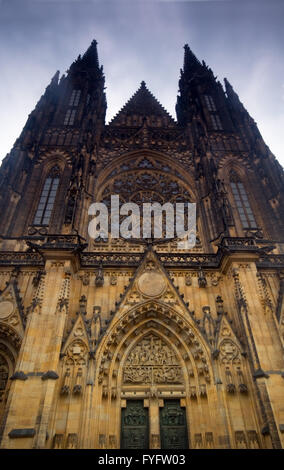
151	283
6	308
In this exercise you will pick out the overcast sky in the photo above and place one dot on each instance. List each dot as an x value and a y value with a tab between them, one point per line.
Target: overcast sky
242	40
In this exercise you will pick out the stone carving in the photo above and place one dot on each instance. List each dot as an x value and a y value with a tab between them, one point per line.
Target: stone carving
208	324
229	352
202	281
96	327
241	442
112	442
85	279
102	441
188	280
241	381
58	441
76	353
77	389
99	281
72	441
253	440
230	387
198	441
65	389
152	361
209	440
151	283
6	308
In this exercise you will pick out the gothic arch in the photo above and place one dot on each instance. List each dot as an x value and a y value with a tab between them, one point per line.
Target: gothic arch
186	341
148	161
228	162
146	176
192	382
50	157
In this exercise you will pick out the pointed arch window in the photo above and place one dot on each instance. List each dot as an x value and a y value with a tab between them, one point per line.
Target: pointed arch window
47	198
242	202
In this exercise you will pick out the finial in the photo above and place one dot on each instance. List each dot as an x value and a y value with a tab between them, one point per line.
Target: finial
143	84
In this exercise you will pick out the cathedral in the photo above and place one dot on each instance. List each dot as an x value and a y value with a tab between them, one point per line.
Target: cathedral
116	343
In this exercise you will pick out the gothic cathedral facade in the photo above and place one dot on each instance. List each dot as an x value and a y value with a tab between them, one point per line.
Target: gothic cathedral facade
136	344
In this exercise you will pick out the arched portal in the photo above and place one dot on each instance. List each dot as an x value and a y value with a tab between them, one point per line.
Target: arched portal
153	369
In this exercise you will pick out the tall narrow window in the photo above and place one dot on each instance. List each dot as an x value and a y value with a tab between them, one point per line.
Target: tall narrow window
75	98
47	198
242	202
216	122
210	103
70	115
215	118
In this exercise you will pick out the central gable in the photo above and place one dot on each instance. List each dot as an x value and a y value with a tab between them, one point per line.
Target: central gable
143	107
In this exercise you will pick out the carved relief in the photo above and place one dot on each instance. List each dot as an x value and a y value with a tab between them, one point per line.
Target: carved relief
253	440
72	441
229	352
241	442
152	361
198	441
77	353
58	441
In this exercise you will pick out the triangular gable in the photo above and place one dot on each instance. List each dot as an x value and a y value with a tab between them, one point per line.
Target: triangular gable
142	103
226	333
78	334
150	282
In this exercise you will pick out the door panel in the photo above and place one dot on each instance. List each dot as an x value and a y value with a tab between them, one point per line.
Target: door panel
134	426
173	426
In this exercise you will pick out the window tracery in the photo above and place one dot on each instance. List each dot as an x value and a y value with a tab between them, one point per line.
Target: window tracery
47	197
242	202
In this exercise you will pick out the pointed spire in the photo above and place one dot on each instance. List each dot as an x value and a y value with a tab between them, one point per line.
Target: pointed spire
91	55
88	61
190	61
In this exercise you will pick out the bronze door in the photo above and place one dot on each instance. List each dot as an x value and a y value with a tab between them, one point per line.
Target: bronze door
134	426
173	426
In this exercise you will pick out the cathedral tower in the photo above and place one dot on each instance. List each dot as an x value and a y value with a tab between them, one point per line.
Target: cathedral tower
135	343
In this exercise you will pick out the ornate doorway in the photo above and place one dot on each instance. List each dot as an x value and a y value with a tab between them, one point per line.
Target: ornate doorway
173	427
134	426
